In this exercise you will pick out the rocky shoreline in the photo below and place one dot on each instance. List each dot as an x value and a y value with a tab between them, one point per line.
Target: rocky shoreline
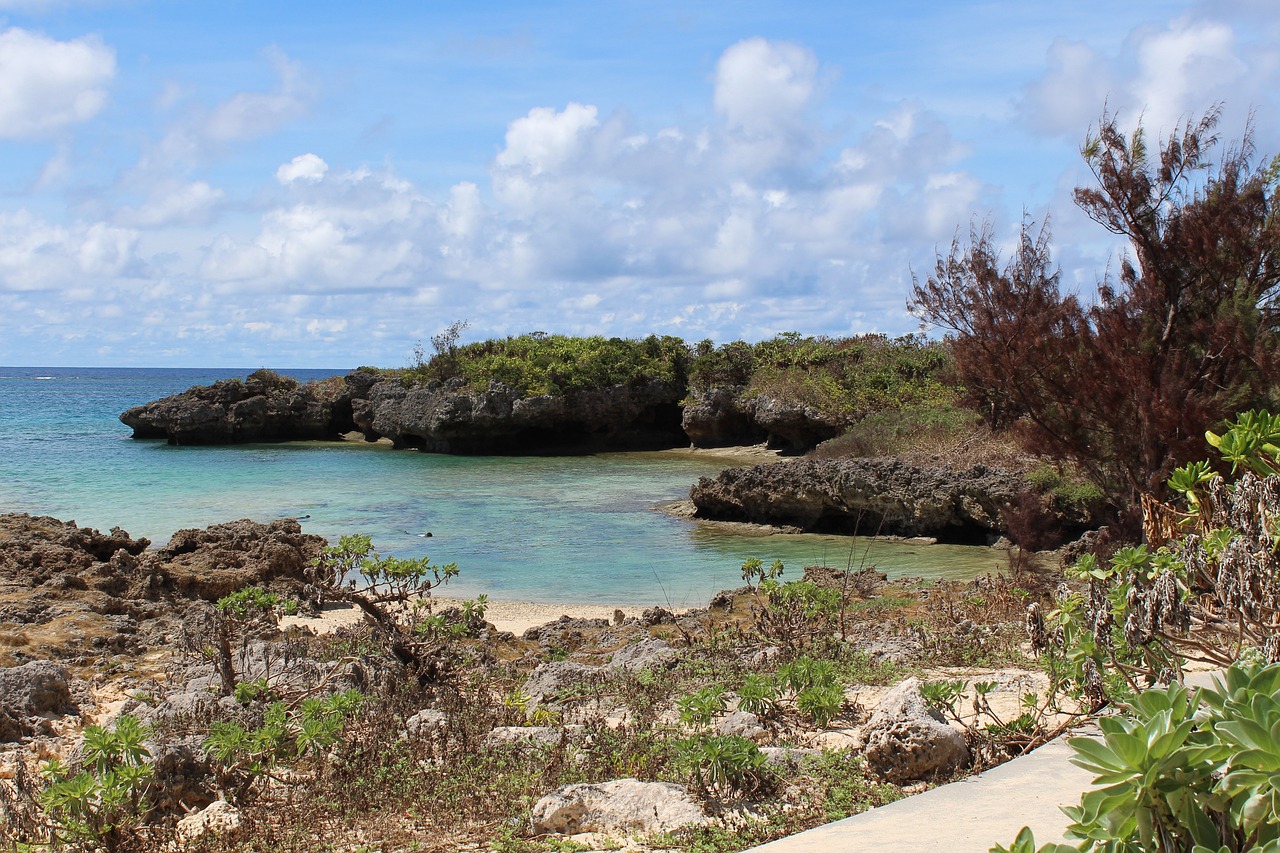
452	417
99	627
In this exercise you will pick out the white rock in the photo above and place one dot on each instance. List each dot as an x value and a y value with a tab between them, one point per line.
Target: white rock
906	740
217	818
619	807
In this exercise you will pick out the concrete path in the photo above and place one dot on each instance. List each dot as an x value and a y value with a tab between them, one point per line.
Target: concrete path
969	816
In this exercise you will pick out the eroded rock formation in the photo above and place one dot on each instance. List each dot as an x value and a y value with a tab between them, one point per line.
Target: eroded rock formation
75	595
867	496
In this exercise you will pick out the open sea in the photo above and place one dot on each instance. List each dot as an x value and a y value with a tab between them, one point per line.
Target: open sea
547	529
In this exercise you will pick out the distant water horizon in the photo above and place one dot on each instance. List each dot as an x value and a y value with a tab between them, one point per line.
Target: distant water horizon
564	529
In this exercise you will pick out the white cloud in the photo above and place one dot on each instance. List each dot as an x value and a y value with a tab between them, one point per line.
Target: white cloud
764	85
247	115
304	167
48	85
1163	75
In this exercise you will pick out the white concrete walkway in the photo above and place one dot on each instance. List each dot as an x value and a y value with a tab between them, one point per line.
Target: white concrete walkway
969	816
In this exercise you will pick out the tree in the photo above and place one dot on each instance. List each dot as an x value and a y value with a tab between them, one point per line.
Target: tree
1187	335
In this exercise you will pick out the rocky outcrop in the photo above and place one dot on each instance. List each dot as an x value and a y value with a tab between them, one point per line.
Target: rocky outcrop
30	692
906	740
723	416
74	594
868	496
263	407
620	807
451	418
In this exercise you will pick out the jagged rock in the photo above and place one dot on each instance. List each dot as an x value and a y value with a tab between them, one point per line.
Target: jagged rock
263	407
555	678
565	633
742	724
619	807
525	736
449	418
906	740
182	773
427	723
793	425
868	495
74	594
651	616
720	416
217	818
648	652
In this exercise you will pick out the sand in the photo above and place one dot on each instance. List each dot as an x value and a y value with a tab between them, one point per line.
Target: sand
514	616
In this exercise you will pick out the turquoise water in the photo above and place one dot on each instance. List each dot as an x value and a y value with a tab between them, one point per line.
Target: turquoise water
552	529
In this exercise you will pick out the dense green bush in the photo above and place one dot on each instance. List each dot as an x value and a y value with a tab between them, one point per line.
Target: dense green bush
1195	771
536	363
848	377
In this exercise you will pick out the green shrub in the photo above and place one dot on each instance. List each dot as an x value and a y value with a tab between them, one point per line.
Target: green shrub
725	765
537	364
1196	771
847	378
99	804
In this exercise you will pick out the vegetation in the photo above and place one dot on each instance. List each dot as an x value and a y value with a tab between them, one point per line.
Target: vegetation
1182	770
537	363
848	378
1186	336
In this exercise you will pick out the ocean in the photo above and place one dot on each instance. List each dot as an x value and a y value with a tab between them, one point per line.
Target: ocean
578	529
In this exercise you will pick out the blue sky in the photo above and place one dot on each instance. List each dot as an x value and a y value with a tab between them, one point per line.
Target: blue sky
325	184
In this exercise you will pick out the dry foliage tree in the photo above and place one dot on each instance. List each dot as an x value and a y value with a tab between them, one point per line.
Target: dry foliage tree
1185	337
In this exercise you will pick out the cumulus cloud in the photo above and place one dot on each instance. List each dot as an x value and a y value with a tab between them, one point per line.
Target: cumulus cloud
762	85
304	167
47	85
1163	75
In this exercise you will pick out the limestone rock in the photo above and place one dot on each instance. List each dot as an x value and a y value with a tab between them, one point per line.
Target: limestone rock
906	740
888	495
427	723
263	407
28	693
619	807
649	652
525	736
217	818
742	724
551	679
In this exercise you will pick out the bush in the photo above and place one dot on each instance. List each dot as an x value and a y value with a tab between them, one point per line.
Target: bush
538	364
1196	771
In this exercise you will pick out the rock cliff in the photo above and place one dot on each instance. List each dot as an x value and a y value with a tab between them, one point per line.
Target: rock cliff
724	415
263	407
441	417
867	496
450	418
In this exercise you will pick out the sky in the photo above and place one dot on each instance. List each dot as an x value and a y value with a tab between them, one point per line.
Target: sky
323	184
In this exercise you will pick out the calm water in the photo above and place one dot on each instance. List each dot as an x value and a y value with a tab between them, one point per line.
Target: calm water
554	529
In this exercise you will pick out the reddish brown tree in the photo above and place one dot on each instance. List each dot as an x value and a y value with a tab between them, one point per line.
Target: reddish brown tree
1188	334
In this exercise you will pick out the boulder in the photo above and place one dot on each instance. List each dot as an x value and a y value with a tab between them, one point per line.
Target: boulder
906	740
619	807
217	818
741	724
649	652
552	679
38	687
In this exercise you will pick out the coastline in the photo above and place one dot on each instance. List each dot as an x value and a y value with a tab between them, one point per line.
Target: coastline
514	616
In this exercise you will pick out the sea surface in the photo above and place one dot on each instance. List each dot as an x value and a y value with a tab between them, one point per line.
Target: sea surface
548	529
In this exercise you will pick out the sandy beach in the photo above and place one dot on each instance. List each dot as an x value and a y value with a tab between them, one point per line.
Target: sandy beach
514	616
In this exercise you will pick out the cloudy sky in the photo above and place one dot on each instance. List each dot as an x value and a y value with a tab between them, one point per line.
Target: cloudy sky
324	184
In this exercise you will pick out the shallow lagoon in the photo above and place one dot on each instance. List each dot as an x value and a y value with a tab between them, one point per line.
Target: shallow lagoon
552	529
